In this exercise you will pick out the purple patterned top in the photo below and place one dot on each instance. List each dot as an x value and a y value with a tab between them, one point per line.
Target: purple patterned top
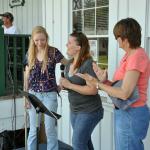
45	81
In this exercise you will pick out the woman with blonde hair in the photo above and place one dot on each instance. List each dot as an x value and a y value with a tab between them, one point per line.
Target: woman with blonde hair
40	80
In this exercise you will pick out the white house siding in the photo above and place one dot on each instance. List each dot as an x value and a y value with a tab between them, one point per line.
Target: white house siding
56	16
56	21
25	17
7	114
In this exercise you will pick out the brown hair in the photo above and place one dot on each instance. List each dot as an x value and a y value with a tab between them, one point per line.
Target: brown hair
32	48
83	42
129	29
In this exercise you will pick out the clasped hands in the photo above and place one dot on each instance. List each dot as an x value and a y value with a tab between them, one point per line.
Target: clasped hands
90	80
64	83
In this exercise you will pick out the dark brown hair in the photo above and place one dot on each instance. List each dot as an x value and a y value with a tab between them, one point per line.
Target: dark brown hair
83	42
129	29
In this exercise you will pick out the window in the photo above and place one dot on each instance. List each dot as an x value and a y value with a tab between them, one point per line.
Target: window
91	17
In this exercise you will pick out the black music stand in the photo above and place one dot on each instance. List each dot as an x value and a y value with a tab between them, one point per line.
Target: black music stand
39	107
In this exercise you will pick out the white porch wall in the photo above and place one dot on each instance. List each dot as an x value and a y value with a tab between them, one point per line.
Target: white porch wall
7	114
55	15
25	17
56	21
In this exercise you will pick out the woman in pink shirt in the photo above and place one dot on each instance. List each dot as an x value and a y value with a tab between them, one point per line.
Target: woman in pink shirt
131	125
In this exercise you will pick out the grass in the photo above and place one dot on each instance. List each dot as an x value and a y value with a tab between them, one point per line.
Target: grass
103	61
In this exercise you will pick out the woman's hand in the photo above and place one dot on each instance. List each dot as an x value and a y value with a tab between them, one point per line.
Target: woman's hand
64	83
59	88
27	104
90	81
100	73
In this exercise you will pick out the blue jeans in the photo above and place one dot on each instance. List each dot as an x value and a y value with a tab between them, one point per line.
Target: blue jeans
49	99
83	125
131	127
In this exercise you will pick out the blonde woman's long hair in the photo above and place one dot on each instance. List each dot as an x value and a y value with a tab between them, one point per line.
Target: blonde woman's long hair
32	51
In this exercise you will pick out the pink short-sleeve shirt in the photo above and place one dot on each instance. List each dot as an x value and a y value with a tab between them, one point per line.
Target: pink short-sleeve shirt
138	61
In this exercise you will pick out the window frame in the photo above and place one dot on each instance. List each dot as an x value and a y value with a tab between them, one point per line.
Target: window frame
95	35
